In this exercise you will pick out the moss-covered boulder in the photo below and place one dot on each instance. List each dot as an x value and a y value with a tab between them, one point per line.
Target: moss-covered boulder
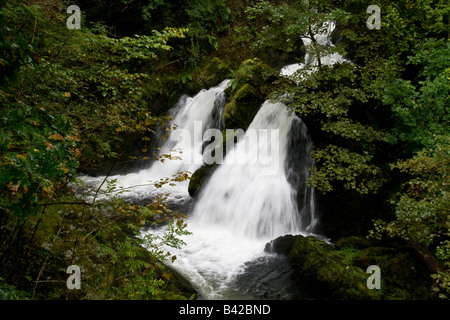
242	108
317	259
199	178
252	82
281	245
352	241
210	72
341	269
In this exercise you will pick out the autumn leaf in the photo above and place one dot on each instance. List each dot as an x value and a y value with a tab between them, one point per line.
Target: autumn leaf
56	136
76	152
49	145
74	138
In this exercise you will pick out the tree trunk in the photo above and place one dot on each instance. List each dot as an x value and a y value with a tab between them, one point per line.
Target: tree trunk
425	256
314	41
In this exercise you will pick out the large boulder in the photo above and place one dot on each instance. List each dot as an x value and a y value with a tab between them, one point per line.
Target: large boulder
317	259
252	82
242	108
340	269
281	245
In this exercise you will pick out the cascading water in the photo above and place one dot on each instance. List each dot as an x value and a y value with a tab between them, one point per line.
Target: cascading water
192	116
244	198
245	204
311	61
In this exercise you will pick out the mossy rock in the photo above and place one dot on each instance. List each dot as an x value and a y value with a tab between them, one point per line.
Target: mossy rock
352	241
241	110
330	268
281	245
256	73
199	178
252	83
210	72
341	269
402	274
305	249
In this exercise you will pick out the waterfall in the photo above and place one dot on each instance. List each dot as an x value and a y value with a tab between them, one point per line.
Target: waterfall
244	205
184	145
258	193
311	61
241	198
192	116
298	166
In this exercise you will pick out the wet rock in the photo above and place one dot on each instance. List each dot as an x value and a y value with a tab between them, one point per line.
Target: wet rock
341	269
199	177
281	245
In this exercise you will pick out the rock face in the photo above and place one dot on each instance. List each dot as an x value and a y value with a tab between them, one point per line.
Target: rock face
340	269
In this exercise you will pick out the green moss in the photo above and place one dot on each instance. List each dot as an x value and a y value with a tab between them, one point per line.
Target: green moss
210	72
252	83
342	269
352	241
241	110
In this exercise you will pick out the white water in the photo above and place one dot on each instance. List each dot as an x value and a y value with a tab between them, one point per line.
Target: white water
186	154
311	61
240	198
240	209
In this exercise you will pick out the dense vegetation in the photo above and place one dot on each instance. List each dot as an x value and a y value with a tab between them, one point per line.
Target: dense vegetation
85	100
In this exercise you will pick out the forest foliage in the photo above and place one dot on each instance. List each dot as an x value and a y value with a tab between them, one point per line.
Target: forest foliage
71	100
